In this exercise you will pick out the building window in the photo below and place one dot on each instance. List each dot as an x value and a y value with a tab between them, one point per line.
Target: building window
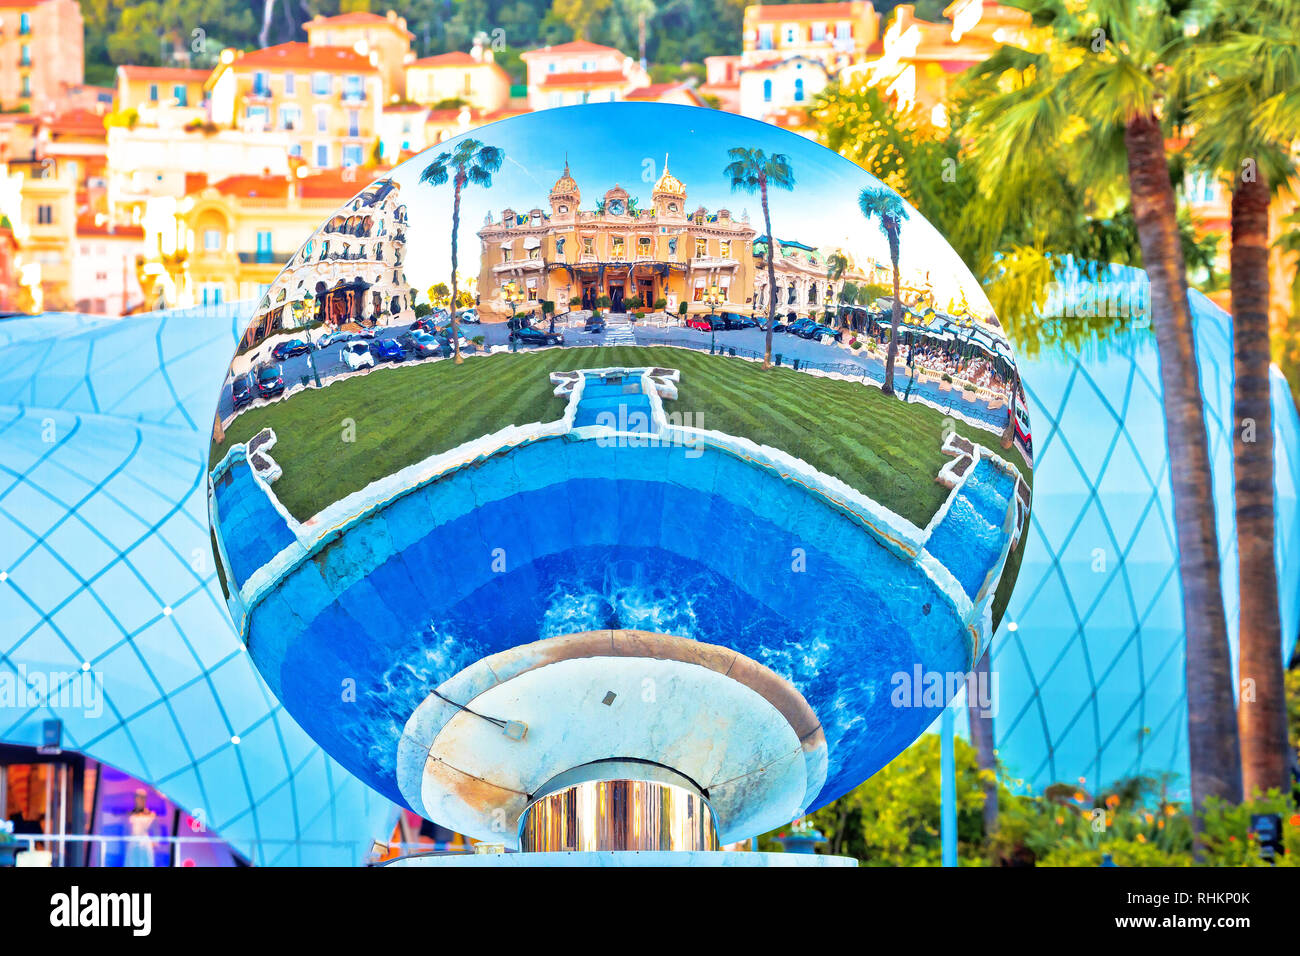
819	32
699	288
588	245
351	155
211	240
767	91
506	253
182	94
701	247
153	92
353	88
322	119
290	116
264	245
322	154
24	24
643	247
320	84
765	37
261	83
354	122
26	56
791	34
288	84
616	247
724	248
257	116
798	89
45	214
26	86
211	293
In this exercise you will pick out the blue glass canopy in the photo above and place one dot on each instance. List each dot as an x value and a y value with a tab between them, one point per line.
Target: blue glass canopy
106	561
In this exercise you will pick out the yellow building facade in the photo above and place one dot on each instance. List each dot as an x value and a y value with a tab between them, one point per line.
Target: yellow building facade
472	78
327	99
574	257
364	32
235	236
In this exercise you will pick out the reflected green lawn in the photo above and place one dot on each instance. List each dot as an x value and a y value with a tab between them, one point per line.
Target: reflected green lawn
883	447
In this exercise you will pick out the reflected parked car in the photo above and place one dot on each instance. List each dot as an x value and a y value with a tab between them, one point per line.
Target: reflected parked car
531	336
387	350
470	316
243	390
270	381
357	355
595	323
705	323
284	350
420	344
734	320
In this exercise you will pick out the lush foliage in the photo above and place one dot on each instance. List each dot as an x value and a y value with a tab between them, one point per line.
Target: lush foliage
893	820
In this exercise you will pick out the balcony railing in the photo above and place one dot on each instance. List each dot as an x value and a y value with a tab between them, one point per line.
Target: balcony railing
264	257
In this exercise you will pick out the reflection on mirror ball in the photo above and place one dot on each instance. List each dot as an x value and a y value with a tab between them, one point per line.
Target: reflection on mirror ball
703	469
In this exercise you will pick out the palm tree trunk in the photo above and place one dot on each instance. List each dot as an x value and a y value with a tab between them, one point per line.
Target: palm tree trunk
1211	719
1261	715
891	353
771	278
981	737
455	313
1009	433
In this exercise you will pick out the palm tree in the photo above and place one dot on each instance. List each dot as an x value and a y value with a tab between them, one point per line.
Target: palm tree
753	171
885	206
1252	53
469	162
1101	87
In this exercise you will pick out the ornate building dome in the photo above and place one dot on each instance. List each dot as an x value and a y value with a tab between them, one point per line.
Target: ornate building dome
566	185
669	184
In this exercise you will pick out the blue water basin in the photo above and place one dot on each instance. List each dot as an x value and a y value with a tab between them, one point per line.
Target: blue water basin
969	539
564	535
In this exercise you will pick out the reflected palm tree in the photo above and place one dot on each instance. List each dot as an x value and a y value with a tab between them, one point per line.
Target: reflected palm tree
753	171
469	162
885	206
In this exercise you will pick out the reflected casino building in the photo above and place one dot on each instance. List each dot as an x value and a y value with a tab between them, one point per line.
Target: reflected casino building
617	250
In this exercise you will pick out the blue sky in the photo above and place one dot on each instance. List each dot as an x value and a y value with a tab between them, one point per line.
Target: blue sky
625	143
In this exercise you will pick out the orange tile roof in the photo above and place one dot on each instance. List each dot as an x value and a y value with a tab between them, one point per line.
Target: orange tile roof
86	226
656	90
359	18
505	112
807	11
173	74
254	187
85	122
593	78
454	58
575	46
337	184
302	56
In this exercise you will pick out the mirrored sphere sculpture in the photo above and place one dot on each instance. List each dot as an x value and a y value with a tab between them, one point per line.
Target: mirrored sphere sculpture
620	443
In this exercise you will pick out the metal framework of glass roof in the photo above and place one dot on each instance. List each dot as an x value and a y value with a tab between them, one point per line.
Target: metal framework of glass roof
105	561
